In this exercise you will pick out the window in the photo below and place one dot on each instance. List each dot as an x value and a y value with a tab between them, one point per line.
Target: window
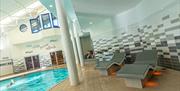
35	25
46	21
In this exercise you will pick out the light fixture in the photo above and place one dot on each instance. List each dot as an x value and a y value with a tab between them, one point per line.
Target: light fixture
91	23
50	6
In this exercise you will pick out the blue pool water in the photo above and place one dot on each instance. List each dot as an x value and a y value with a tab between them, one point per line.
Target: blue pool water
38	81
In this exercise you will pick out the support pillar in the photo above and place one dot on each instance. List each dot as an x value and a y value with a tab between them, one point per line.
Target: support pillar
78	41
74	47
67	44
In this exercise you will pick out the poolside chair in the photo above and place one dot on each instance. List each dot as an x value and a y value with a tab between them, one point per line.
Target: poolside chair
118	58
104	66
136	73
147	57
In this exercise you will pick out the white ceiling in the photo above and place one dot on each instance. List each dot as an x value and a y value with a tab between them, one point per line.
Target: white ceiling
97	10
13	10
9	7
88	20
86	10
103	7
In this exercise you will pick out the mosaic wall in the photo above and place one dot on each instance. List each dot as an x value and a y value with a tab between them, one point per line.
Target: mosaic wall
18	65
45	60
165	38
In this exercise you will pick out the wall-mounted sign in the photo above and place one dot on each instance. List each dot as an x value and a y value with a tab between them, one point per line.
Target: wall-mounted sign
5	58
53	40
29	45
4	64
28	52
35	25
43	46
35	46
49	47
23	27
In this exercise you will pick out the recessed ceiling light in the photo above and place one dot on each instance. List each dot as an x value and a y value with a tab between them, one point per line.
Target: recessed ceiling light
50	6
91	23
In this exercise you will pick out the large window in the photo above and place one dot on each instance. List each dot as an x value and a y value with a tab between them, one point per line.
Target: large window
54	21
46	21
35	25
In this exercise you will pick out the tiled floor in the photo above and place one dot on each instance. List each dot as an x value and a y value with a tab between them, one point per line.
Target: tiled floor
92	81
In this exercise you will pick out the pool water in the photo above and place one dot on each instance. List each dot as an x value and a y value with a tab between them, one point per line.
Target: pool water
38	81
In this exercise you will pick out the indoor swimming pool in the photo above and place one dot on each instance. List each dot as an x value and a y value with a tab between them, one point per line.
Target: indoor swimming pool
38	81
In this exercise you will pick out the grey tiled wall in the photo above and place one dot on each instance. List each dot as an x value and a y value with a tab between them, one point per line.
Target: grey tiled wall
162	37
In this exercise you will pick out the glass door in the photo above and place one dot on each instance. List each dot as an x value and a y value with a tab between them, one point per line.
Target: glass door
29	63
53	58
59	56
36	61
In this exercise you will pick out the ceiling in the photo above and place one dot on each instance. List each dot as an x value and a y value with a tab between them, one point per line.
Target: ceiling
87	20
95	11
103	7
9	7
13	10
86	10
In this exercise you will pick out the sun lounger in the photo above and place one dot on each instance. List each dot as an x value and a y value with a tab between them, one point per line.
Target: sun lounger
134	74
103	66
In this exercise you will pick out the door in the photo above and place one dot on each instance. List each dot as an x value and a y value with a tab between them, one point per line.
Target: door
36	61
59	56
53	58
86	44
29	64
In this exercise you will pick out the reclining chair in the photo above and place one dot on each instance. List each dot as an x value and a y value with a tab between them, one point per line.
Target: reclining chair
134	74
117	59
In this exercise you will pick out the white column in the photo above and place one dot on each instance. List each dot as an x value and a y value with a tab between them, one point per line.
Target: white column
74	47
67	44
78	43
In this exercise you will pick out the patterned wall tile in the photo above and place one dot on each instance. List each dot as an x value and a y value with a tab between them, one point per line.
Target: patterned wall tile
164	37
